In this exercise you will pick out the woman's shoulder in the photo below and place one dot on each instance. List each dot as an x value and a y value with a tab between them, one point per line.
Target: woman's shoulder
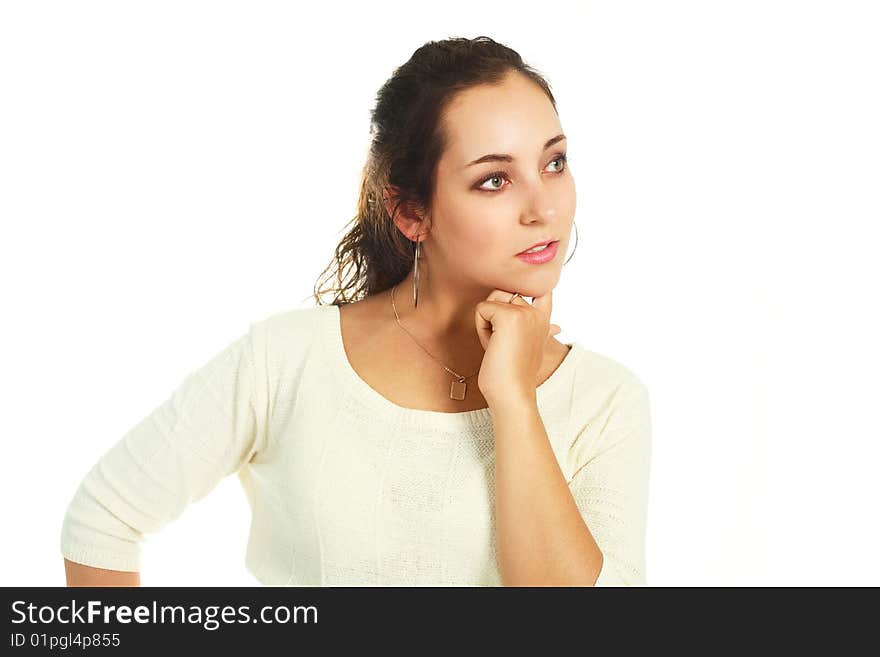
303	318
605	372
289	333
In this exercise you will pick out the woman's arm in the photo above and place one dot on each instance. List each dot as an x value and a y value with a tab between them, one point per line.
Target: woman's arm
209	427
611	486
81	575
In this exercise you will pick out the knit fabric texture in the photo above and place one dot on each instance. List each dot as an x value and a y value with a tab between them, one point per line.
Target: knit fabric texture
347	488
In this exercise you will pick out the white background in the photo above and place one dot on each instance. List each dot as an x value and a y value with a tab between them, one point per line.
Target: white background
172	171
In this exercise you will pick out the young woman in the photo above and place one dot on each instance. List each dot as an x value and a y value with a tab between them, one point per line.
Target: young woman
425	428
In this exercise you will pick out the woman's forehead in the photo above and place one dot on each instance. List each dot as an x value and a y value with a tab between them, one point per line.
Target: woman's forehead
491	120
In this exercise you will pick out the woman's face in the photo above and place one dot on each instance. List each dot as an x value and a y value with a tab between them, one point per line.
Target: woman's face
484	214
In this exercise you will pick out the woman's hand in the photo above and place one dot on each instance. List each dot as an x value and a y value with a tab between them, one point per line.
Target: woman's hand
514	336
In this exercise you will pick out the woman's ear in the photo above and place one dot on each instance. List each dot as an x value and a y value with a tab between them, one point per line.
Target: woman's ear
408	220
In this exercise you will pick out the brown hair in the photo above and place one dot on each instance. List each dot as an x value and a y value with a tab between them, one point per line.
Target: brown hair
408	139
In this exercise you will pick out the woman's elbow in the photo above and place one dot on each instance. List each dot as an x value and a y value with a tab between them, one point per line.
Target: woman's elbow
81	575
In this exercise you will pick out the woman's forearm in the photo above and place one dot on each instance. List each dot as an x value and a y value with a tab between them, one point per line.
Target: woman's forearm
542	538
81	575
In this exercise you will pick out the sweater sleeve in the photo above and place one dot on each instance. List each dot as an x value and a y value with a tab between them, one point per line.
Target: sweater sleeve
208	428
611	488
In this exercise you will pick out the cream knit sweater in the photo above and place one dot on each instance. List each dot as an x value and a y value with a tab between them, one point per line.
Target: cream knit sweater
348	488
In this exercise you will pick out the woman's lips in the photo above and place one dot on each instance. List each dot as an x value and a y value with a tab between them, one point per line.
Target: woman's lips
540	257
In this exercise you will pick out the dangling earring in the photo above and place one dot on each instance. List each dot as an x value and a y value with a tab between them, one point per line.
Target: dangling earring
575	243
416	278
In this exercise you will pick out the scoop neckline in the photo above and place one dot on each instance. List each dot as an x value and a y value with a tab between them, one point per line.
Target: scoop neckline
423	418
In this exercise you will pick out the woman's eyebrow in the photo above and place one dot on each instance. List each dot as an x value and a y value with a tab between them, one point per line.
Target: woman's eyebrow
503	157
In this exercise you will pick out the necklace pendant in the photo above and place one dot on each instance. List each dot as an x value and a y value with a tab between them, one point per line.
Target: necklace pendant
458	390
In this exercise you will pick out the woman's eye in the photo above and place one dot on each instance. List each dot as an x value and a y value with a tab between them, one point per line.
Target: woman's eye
502	175
562	159
494	176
